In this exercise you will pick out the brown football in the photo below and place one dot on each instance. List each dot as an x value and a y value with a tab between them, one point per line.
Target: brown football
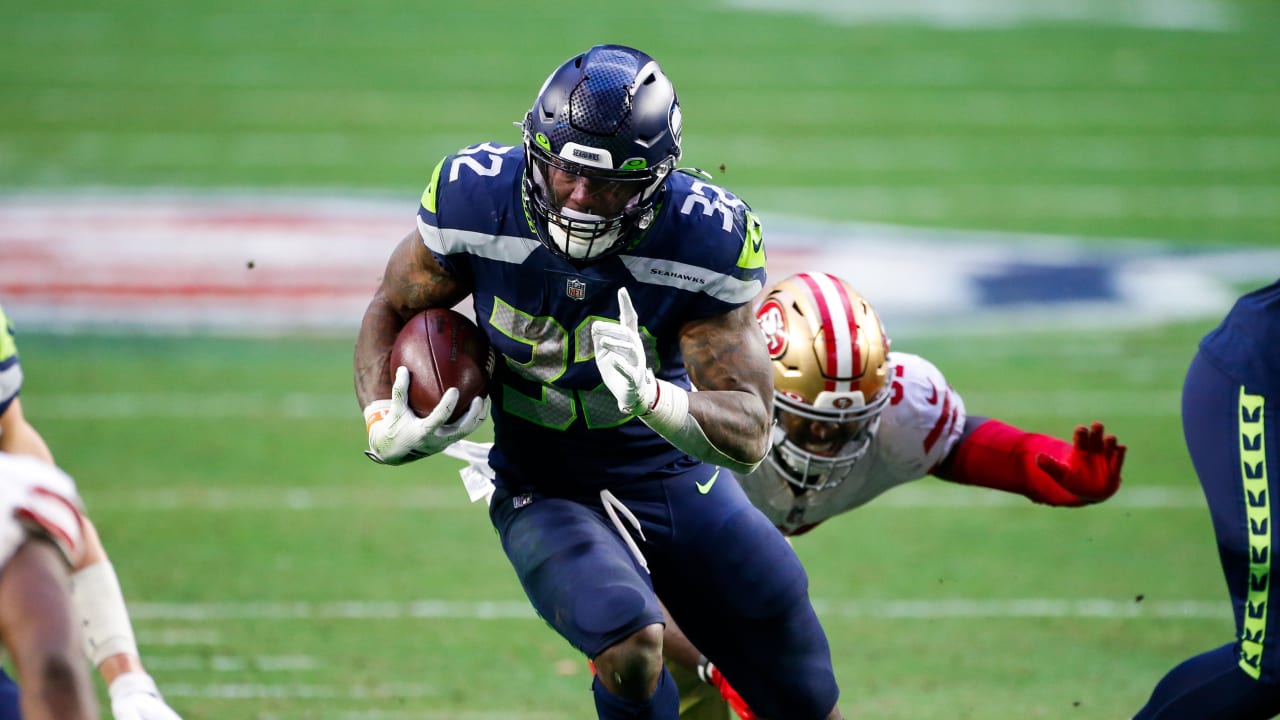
442	349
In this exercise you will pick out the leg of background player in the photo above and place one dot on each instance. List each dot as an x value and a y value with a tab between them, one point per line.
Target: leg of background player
8	698
698	700
1223	425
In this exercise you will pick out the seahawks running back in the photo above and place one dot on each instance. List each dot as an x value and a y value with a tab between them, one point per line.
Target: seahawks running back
611	285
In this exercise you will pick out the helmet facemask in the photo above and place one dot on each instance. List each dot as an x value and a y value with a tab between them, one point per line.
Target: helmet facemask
625	203
603	135
846	437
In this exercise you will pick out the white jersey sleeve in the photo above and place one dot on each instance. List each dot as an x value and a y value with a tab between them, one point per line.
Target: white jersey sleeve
924	419
38	500
919	427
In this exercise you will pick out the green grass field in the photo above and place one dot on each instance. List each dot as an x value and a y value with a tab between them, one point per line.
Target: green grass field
275	573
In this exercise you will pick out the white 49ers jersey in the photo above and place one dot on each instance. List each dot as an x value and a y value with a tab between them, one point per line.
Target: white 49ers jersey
38	500
918	429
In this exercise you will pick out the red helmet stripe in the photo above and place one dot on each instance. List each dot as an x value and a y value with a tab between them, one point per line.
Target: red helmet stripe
838	327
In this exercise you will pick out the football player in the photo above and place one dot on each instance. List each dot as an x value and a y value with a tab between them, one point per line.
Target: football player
41	537
1231	422
855	420
108	634
611	284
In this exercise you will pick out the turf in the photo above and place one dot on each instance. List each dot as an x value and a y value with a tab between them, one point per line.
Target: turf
227	478
1099	130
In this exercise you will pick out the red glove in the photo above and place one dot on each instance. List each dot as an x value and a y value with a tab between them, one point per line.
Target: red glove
1044	469
710	674
1092	470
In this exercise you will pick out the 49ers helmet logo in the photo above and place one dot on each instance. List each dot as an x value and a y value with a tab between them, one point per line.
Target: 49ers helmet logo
773	323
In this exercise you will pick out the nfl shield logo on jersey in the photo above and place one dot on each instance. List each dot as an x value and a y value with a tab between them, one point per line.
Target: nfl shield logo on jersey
575	288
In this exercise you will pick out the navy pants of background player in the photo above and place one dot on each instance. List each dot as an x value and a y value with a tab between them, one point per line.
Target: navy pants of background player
1233	436
8	698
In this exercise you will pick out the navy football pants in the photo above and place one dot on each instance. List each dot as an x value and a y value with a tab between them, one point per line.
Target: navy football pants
725	573
1233	436
9	708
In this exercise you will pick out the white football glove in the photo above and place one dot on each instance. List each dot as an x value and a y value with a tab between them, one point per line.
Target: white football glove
134	696
620	358
397	435
660	404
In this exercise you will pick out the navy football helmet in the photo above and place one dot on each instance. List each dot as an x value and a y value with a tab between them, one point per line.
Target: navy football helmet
604	129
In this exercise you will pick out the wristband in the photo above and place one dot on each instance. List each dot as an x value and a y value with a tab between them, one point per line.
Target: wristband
98	600
374	412
670	418
669	409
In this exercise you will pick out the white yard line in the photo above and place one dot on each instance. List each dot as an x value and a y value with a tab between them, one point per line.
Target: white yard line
131	406
984	14
1016	608
925	493
254	691
232	663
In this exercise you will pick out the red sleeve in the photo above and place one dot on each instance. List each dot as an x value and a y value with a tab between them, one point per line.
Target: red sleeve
1000	456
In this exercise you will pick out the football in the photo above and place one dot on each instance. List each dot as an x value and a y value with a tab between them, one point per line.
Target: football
442	349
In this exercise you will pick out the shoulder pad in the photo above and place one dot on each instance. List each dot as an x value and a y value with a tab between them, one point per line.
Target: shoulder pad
47	514
38	499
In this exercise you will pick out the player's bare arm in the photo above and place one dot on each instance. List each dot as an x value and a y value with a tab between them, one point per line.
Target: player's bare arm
19	436
412	282
38	626
729	364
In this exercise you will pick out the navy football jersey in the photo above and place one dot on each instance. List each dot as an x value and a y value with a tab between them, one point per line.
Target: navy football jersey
1246	346
10	368
557	426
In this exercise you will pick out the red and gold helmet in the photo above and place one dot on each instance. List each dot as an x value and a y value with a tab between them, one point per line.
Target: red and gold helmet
830	374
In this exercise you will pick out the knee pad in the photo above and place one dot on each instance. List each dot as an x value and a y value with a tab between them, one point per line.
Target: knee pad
760	571
606	617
